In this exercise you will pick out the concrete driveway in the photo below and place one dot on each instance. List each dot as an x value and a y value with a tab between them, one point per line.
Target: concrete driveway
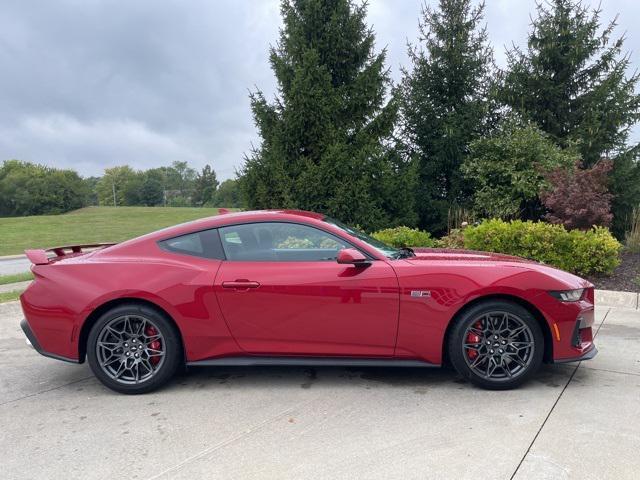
14	264
578	421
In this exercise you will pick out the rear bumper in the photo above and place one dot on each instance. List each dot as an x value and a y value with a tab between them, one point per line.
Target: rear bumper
588	355
33	341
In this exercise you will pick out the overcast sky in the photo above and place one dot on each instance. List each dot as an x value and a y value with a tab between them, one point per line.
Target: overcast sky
89	84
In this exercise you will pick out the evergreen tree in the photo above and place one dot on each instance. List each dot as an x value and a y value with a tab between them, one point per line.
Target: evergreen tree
204	186
572	81
325	136
446	103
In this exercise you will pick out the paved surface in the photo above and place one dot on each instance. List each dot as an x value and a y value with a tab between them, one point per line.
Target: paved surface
12	287
580	421
9	266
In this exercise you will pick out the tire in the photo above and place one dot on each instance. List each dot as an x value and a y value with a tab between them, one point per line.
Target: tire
134	349
515	350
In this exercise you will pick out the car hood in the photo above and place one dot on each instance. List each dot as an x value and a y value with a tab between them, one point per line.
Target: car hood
475	257
453	254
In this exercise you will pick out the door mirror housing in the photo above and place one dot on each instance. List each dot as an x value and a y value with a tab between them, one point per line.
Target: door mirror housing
351	256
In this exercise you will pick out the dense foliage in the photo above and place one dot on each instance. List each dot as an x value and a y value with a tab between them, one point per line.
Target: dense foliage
594	251
30	189
177	185
507	170
572	82
325	137
405	237
578	198
446	104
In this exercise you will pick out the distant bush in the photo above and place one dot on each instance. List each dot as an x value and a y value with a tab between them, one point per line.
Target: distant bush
594	251
405	237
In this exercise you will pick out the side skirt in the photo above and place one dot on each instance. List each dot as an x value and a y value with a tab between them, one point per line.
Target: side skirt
309	362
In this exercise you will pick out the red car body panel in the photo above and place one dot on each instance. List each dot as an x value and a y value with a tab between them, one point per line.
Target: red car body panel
389	309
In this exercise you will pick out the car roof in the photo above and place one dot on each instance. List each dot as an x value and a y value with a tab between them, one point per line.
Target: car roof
243	217
220	221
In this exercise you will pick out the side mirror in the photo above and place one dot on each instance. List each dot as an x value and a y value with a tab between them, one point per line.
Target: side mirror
352	256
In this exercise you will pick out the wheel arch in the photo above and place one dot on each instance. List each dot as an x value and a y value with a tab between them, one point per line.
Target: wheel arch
537	314
93	317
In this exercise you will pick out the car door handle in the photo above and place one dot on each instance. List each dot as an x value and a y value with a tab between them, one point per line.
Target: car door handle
241	284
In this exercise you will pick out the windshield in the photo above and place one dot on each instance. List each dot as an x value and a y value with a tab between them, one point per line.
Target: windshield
383	248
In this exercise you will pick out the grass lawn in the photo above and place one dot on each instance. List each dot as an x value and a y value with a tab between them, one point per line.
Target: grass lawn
90	225
15	278
9	296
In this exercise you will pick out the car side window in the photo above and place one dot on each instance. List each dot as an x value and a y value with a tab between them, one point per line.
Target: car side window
279	242
205	244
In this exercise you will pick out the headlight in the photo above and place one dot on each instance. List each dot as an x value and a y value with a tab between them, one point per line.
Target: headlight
568	295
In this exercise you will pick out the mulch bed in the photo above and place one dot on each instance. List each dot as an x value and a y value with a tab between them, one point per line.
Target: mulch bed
626	277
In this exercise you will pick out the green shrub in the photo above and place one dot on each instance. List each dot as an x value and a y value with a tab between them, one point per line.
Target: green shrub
455	239
405	237
593	251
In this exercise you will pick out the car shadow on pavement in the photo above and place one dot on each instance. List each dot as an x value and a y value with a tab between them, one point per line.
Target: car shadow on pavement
343	377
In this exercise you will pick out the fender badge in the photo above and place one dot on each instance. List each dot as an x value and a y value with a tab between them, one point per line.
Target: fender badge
420	293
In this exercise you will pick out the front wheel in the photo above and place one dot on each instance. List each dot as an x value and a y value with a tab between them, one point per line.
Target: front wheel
133	349
496	345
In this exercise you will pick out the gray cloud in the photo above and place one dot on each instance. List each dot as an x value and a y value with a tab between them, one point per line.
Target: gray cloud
90	84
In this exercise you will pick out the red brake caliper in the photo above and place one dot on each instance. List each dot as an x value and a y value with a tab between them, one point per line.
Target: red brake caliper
155	345
473	338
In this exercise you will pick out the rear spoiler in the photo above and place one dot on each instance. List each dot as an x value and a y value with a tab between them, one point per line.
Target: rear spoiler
43	257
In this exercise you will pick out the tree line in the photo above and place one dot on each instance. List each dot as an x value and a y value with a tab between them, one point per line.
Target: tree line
547	137
30	189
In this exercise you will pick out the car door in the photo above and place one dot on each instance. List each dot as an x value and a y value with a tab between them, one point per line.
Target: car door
281	291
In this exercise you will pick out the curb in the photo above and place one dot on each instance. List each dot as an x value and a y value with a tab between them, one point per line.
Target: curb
15	287
13	257
613	298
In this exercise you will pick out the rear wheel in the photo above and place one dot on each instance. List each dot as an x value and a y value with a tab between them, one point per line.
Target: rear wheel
496	345
133	349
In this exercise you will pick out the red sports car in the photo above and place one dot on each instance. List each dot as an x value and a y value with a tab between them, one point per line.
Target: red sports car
299	288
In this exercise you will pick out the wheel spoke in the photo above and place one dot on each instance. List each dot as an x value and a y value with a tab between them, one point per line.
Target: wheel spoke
491	367
110	360
478	361
517	331
514	357
521	345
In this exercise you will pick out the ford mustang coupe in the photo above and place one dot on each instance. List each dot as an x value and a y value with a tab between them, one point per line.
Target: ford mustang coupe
299	288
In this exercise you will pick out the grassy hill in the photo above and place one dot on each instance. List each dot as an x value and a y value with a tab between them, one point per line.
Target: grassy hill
89	225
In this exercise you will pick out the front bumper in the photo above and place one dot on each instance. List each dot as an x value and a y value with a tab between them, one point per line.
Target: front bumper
588	355
33	341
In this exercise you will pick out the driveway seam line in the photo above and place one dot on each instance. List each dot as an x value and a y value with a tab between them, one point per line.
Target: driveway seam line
45	391
554	404
612	371
223	443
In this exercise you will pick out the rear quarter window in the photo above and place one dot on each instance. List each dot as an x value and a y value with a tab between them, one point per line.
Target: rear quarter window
204	244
